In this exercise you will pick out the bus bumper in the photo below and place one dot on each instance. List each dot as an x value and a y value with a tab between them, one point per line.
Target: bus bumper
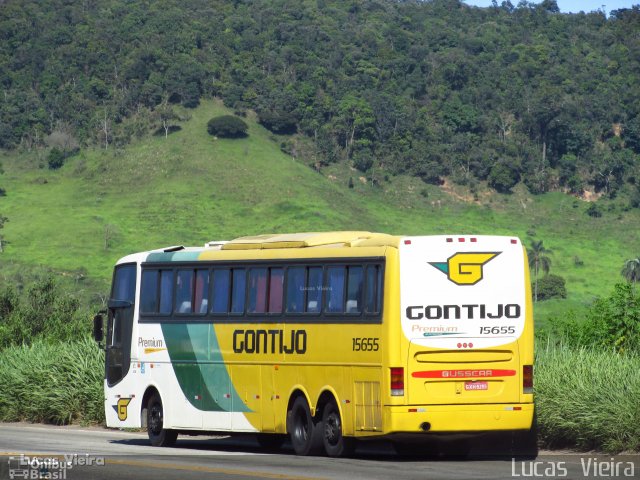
458	418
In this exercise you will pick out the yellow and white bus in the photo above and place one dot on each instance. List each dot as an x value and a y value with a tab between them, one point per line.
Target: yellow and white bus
324	337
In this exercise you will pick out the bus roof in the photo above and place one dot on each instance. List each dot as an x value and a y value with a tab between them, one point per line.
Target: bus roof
312	239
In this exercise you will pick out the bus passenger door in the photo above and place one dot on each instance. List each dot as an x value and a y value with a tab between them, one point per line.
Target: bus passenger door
120	323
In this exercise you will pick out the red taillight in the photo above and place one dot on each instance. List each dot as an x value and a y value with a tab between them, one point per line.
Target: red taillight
397	381
527	379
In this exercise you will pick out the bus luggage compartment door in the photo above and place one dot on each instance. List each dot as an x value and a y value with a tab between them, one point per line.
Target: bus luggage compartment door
447	377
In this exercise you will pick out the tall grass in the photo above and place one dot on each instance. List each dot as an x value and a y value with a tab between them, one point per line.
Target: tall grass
54	383
588	398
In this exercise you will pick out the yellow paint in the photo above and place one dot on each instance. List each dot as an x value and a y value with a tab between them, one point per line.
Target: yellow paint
153	350
466	268
122	408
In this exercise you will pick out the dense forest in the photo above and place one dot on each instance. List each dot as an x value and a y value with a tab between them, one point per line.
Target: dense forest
435	89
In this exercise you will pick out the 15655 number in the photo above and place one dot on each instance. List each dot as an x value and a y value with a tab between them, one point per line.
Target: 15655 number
365	344
503	330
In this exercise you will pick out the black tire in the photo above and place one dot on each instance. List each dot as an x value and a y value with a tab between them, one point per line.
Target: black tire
304	430
158	435
335	444
525	443
270	441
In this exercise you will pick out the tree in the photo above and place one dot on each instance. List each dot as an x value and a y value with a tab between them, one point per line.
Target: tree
538	260
165	115
631	271
503	177
551	286
227	126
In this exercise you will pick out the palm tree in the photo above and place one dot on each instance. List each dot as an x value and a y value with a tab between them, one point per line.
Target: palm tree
538	260
631	271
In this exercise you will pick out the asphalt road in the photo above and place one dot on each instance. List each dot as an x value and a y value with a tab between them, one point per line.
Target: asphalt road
38	451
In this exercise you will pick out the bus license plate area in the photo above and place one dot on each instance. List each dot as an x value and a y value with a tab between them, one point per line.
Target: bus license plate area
475	386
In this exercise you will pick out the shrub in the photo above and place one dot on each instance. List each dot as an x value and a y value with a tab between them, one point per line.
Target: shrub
551	286
612	323
227	126
594	211
44	312
56	158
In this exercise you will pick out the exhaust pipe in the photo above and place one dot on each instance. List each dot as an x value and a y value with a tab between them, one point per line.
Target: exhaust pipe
425	426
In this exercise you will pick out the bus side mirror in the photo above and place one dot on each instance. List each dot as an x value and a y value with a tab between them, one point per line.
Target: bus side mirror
98	333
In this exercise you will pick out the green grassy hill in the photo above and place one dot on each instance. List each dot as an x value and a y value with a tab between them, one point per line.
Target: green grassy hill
190	188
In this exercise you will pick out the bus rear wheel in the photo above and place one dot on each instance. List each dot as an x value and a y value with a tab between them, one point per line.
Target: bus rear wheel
158	435
335	444
305	433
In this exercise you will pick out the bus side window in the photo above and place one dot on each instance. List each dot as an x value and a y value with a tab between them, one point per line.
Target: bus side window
334	300
257	291
354	289
373	289
201	292
295	289
276	286
239	282
221	291
314	289
166	291
149	291
184	291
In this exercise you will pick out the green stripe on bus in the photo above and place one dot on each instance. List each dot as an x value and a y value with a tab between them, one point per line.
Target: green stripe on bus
163	257
200	369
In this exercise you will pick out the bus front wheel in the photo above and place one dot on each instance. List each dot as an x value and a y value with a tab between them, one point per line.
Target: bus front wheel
335	444
158	435
305	433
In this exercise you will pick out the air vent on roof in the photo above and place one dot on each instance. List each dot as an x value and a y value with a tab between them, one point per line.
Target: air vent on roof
175	248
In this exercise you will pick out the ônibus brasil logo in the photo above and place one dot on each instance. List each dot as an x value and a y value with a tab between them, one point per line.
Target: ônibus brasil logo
465	268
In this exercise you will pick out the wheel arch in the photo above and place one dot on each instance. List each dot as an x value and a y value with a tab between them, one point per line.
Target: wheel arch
298	391
149	391
328	394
